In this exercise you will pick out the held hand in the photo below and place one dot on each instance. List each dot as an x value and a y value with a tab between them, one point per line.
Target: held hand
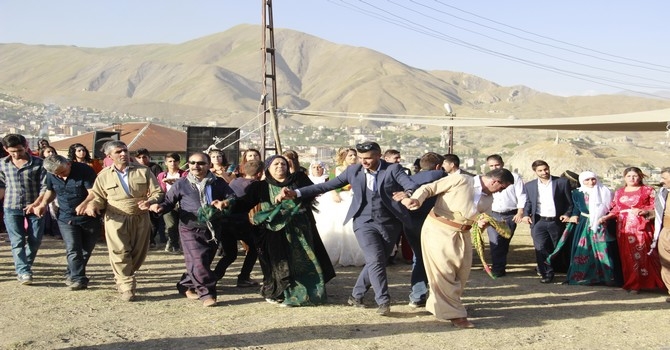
399	196
482	223
574	219
411	203
92	210
157	208
564	218
336	197
220	204
527	220
285	193
143	205
517	218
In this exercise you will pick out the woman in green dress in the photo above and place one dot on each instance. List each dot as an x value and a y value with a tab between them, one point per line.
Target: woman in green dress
294	261
594	258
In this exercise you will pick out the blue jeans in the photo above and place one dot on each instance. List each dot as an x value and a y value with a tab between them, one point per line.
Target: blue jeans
79	241
24	254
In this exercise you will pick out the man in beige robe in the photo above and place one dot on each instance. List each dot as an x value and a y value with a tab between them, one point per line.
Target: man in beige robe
662	227
124	191
445	236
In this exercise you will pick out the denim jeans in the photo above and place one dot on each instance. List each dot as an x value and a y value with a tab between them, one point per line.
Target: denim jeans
79	244
25	234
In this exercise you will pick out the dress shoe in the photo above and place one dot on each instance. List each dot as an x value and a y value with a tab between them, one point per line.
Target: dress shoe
461	322
78	286
209	302
667	300
547	279
128	295
355	302
246	283
497	274
191	294
384	309
417	304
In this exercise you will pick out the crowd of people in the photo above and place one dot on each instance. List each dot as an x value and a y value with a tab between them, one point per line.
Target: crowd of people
300	224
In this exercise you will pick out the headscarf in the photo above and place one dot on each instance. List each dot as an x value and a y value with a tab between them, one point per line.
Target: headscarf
290	177
600	198
318	179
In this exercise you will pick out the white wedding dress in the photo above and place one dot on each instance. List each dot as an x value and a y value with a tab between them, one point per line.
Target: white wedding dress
339	240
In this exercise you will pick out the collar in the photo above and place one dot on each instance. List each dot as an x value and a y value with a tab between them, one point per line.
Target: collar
375	171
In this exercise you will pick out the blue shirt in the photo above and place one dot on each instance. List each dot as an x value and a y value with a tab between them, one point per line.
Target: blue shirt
22	185
72	191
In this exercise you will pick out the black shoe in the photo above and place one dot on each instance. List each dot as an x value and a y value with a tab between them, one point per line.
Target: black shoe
78	286
417	304
384	309
247	283
547	279
498	274
355	302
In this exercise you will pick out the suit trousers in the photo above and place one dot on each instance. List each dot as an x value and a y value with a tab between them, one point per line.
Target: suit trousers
499	244
545	236
376	241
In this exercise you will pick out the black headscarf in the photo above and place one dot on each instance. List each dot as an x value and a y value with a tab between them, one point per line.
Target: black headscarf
290	177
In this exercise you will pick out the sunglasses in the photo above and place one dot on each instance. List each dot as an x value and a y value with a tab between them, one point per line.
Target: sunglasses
192	162
366	147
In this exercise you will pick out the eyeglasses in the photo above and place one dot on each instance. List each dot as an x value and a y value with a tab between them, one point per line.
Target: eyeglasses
192	162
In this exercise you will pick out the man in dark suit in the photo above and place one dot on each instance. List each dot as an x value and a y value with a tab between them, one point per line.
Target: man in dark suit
548	207
431	170
378	218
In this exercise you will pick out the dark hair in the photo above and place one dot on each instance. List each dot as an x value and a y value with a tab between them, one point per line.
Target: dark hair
72	152
292	158
496	157
142	152
636	170
224	159
391	152
452	158
368	146
501	174
173	155
430	161
539	163
253	167
45	148
572	177
13	140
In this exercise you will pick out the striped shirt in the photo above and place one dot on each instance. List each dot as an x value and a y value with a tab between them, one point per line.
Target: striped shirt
22	186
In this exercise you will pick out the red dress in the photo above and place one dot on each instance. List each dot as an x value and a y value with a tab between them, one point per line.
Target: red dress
634	235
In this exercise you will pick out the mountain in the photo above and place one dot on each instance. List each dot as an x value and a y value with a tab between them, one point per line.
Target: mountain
220	77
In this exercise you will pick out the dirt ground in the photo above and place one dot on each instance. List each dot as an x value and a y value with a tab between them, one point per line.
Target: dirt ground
512	312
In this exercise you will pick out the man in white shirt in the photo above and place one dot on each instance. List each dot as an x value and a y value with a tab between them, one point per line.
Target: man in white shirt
508	207
548	207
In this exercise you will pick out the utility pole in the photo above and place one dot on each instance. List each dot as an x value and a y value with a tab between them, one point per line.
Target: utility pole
269	79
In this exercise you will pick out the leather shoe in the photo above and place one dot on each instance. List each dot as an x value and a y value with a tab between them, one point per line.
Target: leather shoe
355	302
417	304
191	294
497	274
461	322
547	279
209	302
667	300
384	309
246	283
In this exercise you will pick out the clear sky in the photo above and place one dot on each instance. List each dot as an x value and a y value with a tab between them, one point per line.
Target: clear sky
569	47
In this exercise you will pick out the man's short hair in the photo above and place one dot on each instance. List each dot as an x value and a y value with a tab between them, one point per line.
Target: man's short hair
52	163
391	152
368	146
253	167
205	155
430	161
13	140
501	174
109	146
452	158
665	170
142	152
539	163
495	157
173	155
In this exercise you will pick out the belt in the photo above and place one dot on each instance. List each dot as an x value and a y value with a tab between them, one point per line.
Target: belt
459	226
509	212
547	218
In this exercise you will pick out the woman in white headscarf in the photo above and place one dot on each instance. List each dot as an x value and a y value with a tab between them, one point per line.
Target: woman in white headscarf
594	257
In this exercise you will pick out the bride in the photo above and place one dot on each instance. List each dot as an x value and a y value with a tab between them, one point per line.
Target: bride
340	242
